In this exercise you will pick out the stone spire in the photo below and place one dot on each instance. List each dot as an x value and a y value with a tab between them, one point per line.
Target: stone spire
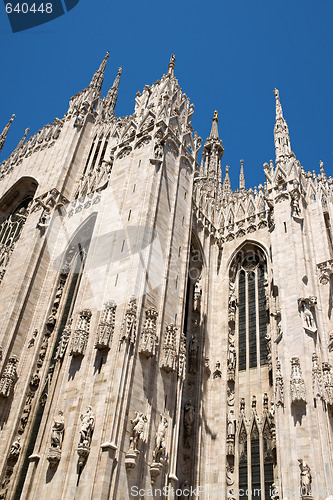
4	133
212	154
20	144
111	98
241	177
226	188
98	78
171	67
281	132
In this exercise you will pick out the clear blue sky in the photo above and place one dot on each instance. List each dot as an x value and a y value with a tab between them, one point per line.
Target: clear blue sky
229	57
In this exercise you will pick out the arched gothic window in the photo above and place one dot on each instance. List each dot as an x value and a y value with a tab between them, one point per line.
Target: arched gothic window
250	277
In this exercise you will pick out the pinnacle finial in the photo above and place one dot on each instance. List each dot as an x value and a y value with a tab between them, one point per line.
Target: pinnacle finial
97	79
214	133
172	63
20	144
5	131
241	177
281	132
111	98
278	107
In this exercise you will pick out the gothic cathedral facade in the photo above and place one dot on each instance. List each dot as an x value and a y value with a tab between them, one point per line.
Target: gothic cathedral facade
159	330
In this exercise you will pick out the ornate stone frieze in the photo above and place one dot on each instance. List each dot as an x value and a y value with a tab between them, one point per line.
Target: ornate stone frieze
86	432
137	435
9	377
169	352
325	271
83	203
306	307
149	339
106	325
328	383
57	436
81	334
297	385
130	322
159	453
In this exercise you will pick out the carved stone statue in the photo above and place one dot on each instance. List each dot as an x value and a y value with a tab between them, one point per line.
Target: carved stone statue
129	323
57	435
189	416
87	427
232	301
81	334
306	306
159	452
306	478
64	340
139	423
297	385
9	377
279	395
148	338
15	450
231	423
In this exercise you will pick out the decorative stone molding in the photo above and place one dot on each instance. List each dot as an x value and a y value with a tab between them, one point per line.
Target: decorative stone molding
328	383
231	361
9	377
325	271
137	435
279	385
64	340
129	323
159	453
57	435
231	433
217	372
232	302
297	385
81	334
106	325
169	353
83	203
149	339
306	307
86	431
12	458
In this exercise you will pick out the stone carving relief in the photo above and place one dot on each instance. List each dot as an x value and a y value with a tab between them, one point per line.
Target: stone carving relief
9	377
81	334
64	340
57	436
217	372
31	342
169	353
231	360
232	301
129	323
296	212
86	431
325	271
159	453
106	325
182	357
12	458
231	433
83	203
306	307
197	295
297	385
137	435
149	339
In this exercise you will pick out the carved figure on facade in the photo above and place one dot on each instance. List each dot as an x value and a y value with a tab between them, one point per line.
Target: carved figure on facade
231	433
306	308
217	372
305	478
182	357
129	323
149	339
279	385
105	329
81	334
231	360
159	453
137	435
297	385
232	301
193	351
64	340
31	342
9	377
275	492
197	295
169	353
328	383
295	205
57	436
316	377
86	431
189	417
